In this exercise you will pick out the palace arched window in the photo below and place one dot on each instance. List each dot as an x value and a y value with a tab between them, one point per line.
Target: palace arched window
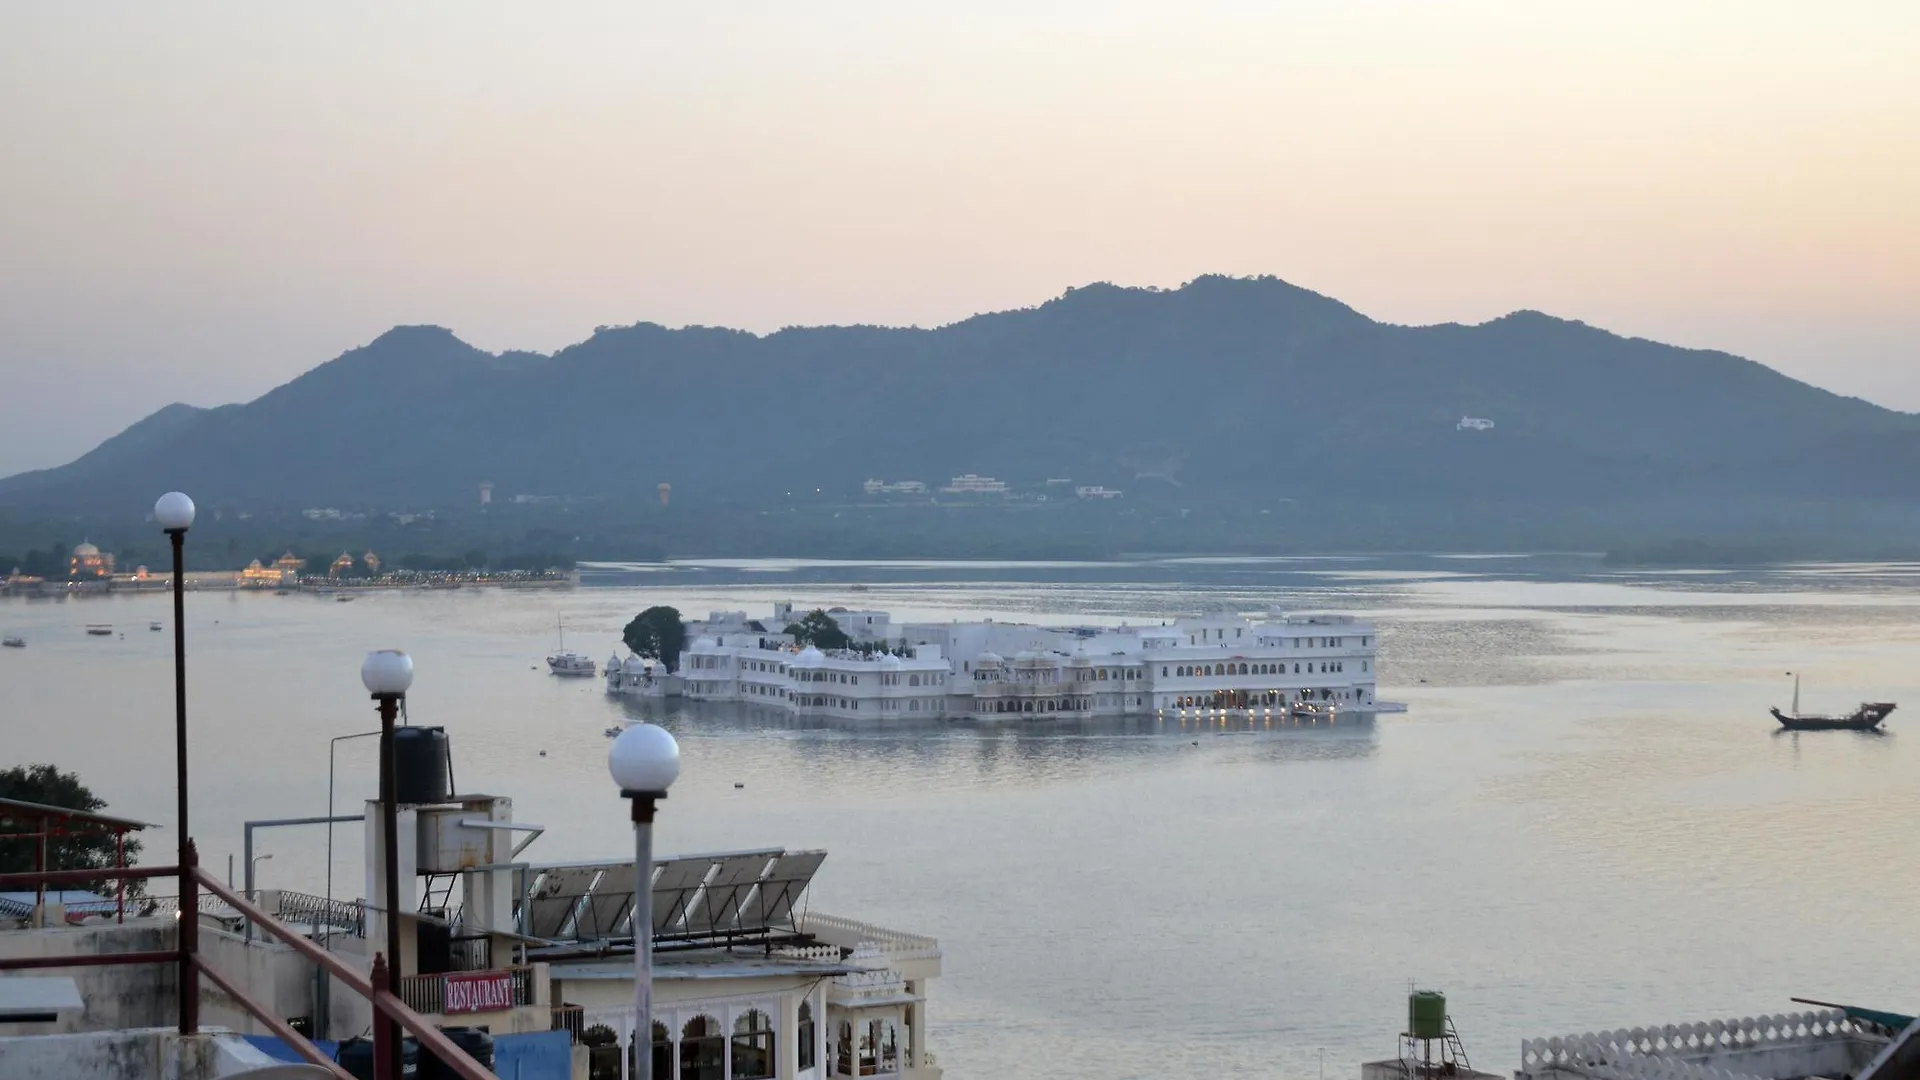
804	1036
703	1050
753	1046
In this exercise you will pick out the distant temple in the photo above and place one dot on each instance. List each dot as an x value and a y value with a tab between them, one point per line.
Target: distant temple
371	562
89	562
288	564
340	565
258	576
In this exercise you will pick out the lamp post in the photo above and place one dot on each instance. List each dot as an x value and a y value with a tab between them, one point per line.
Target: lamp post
253	873
174	512
386	673
644	761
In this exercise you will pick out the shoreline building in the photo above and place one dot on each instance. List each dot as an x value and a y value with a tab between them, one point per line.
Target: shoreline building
749	981
1302	667
974	484
898	487
89	563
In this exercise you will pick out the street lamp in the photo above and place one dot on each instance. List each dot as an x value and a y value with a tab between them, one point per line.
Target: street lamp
174	512
386	673
644	761
253	873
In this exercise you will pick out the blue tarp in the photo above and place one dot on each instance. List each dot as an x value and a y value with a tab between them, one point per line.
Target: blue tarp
539	1055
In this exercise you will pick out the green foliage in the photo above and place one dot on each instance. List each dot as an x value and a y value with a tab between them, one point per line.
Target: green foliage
819	630
657	634
86	851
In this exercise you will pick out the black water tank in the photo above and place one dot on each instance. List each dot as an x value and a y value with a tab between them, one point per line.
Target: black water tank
420	765
356	1056
475	1041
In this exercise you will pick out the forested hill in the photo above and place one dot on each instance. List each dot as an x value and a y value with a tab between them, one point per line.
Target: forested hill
1225	390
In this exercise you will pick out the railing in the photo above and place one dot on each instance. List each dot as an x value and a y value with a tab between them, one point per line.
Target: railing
428	993
1683	1040
308	909
192	966
895	944
571	1019
165	907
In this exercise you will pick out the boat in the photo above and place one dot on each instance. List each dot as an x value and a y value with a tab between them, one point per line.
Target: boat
100	629
1867	717
153	626
343	599
571	664
14	642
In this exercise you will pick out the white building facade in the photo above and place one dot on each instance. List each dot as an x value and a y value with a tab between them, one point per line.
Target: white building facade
1302	666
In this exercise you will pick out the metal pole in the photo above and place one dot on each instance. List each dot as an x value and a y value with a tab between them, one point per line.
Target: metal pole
390	839
332	745
386	1033
189	940
189	903
643	808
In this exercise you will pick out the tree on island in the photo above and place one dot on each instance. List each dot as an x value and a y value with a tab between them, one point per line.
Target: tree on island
819	630
657	634
48	786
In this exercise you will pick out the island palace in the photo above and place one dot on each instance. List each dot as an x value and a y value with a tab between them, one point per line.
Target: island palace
1298	666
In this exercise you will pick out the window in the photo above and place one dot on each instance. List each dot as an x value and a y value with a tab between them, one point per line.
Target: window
1243	669
753	1046
804	1036
843	1050
662	1052
703	1050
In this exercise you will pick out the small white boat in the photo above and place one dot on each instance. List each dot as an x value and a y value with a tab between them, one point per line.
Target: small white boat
14	642
153	626
100	629
570	664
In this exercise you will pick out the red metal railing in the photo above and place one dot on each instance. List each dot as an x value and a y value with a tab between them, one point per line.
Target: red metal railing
431	1039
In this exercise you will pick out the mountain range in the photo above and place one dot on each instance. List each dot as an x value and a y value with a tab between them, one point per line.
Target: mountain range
1228	391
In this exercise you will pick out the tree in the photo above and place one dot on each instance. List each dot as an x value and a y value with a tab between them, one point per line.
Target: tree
819	630
47	785
657	634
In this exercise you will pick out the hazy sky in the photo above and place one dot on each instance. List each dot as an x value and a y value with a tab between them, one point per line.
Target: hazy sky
199	201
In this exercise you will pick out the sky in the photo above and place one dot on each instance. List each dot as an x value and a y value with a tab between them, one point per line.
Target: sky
200	201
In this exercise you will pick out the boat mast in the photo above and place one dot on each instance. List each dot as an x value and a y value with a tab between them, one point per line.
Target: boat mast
1796	692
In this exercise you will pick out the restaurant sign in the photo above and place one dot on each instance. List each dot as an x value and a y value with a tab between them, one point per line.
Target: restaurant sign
479	991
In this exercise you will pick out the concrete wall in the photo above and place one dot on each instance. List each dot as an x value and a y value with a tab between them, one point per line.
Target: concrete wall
147	1054
117	996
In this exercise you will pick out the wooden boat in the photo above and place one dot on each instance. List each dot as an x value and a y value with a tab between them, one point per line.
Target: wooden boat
100	629
1868	717
1865	718
14	642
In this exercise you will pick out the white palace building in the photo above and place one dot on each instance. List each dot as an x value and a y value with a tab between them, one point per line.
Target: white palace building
1302	667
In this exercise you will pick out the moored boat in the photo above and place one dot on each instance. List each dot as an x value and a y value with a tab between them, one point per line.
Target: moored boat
571	664
1867	717
14	642
100	629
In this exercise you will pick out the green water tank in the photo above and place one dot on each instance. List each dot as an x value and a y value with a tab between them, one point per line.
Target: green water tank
1427	1014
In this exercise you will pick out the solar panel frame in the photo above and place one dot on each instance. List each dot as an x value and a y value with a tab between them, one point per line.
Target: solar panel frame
728	901
719	901
783	885
676	886
607	906
556	895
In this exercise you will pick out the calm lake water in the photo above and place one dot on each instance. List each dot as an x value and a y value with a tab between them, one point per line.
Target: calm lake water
1586	821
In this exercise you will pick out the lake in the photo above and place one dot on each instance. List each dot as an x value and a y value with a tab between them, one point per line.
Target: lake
1587	820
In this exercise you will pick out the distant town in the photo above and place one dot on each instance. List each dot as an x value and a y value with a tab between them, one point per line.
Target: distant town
91	570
